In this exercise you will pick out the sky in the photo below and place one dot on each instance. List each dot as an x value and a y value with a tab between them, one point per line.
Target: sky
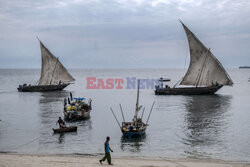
122	33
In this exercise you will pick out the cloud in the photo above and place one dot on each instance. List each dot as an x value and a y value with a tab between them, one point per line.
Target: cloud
122	30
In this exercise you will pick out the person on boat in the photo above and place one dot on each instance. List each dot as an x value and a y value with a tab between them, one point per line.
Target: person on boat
68	101
107	150
161	83
61	123
65	102
131	128
71	97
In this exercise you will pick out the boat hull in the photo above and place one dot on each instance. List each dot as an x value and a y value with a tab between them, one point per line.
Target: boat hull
41	88
188	91
81	115
133	134
67	129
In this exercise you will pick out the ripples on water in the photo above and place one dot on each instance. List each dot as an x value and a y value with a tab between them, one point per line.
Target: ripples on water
209	126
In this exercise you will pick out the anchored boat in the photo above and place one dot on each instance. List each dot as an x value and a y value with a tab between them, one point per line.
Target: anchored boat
77	109
135	128
54	76
205	74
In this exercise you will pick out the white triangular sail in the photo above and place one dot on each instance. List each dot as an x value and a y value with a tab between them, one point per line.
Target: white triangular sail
204	68
52	72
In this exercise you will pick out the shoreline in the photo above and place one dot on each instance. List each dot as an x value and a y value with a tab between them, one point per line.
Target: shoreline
89	160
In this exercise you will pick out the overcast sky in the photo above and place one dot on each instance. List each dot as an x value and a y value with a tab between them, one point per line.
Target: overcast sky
122	33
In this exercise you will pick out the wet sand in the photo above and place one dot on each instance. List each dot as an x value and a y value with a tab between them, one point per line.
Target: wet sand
24	160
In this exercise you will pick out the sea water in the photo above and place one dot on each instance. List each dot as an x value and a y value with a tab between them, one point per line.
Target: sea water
208	126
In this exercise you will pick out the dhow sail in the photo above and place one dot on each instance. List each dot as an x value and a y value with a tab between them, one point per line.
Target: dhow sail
204	68
52	72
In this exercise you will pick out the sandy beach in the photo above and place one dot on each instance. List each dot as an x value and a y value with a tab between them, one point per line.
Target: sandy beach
24	160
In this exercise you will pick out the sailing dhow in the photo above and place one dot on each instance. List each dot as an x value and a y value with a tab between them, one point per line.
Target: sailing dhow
54	76
205	74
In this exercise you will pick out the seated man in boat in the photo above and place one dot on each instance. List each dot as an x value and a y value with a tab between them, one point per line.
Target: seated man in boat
131	128
61	123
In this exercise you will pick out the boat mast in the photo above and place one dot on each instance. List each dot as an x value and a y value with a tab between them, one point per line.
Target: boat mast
137	107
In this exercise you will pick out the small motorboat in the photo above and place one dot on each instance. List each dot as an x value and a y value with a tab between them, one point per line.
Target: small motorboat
66	129
129	130
136	128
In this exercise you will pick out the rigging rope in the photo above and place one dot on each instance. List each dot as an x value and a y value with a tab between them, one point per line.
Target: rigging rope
184	67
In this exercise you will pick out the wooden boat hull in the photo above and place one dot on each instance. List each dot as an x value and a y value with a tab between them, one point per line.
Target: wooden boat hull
134	133
81	115
188	90
41	88
67	129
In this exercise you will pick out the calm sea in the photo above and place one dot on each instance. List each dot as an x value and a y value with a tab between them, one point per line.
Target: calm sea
208	126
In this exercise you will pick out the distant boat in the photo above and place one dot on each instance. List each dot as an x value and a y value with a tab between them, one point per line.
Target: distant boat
244	67
205	74
135	128
54	76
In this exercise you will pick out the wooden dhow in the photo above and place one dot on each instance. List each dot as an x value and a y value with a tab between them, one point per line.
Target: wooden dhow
54	76
205	74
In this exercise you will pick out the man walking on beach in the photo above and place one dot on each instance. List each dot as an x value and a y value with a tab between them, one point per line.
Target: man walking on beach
107	150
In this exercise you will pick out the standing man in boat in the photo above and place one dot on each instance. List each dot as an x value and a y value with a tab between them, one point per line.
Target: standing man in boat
61	123
71	97
65	102
107	150
68	100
